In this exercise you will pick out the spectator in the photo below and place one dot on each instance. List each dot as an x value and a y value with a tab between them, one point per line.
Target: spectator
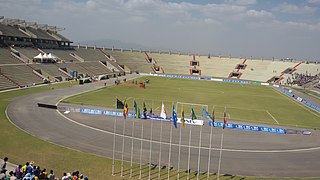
4	166
18	172
51	175
65	177
11	176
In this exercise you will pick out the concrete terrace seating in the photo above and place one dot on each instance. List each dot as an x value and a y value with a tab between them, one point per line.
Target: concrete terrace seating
5	83
172	63
7	58
96	67
62	54
21	74
89	68
312	69
135	61
216	66
29	52
258	70
51	69
90	54
41	34
8	30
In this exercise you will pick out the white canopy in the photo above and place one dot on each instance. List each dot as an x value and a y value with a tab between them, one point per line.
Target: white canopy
39	56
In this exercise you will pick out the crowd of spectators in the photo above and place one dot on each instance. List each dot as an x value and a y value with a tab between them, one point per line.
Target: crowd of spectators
301	79
30	171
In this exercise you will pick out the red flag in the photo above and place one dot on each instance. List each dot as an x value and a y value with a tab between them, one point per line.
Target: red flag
224	120
212	116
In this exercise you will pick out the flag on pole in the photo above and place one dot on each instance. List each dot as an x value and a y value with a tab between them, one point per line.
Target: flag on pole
212	117
174	117
224	120
206	115
182	117
193	115
125	109
135	108
120	104
144	111
163	113
138	113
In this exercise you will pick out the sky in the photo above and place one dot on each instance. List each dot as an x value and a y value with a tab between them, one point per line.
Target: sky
239	28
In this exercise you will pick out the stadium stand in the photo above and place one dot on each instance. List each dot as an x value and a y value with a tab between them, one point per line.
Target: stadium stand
264	70
7	58
5	83
218	66
13	31
63	55
86	69
28	52
21	74
172	63
90	54
135	61
50	71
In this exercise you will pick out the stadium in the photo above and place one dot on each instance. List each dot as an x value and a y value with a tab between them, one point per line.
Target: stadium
99	110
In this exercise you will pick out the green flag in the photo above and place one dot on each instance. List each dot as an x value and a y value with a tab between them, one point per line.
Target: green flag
193	115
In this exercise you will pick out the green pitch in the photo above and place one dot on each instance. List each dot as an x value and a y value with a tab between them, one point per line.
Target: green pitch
247	103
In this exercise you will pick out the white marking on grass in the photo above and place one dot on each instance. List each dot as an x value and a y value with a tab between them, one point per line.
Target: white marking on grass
241	85
304	107
272	117
229	116
157	108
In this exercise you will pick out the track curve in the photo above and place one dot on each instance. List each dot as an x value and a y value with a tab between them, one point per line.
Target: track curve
244	153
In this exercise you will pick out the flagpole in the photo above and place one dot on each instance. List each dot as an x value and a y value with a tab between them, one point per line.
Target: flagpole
178	176
132	146
159	164
219	165
199	153
114	140
123	133
189	152
210	146
169	164
141	151
150	147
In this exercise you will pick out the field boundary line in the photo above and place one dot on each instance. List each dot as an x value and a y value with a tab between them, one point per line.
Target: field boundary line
272	117
304	107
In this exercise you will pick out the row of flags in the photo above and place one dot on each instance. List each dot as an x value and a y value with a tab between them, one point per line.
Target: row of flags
163	113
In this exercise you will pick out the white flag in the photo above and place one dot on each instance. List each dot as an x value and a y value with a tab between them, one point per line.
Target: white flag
163	113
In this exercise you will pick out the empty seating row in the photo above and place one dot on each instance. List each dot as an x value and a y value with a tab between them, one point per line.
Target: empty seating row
21	74
5	83
7	58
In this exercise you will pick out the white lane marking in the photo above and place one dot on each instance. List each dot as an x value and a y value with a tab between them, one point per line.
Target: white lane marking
272	117
196	147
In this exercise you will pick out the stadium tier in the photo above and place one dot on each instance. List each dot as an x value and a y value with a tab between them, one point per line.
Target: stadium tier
50	71
5	83
64	55
135	61
7	58
21	74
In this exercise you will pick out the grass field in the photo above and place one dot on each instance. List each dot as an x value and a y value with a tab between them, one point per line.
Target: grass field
21	147
248	103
